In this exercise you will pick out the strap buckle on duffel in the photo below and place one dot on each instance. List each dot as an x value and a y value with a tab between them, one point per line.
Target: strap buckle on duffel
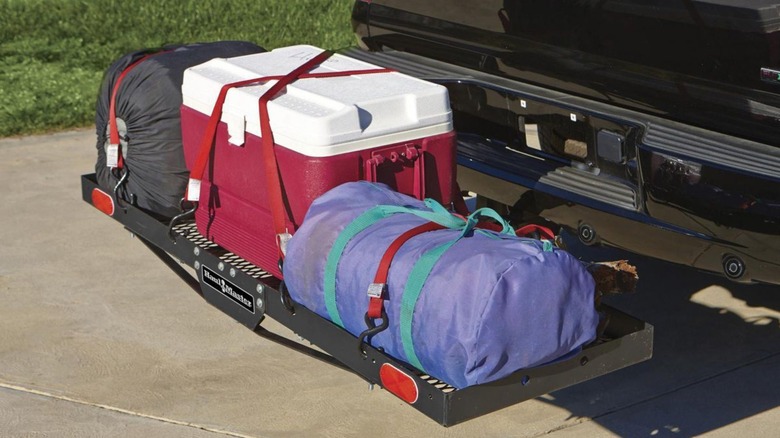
376	290
439	218
377	293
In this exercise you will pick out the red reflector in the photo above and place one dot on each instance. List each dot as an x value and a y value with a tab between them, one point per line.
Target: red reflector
398	383
103	202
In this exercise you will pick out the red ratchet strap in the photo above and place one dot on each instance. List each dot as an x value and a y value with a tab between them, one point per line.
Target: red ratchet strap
114	154
378	289
528	230
207	143
273	179
274	183
524	231
489	225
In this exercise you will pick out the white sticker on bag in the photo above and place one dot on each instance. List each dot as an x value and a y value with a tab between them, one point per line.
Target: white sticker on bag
193	190
112	155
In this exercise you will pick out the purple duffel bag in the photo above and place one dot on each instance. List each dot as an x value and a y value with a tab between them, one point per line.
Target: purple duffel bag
466	306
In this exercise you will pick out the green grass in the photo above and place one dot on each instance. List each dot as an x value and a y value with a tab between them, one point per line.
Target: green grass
53	52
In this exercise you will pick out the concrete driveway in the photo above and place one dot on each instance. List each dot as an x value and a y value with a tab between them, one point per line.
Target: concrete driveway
98	338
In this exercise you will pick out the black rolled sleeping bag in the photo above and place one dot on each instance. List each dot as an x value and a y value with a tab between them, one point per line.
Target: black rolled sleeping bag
148	102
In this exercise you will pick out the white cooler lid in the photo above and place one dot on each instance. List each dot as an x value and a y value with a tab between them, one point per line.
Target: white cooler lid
320	117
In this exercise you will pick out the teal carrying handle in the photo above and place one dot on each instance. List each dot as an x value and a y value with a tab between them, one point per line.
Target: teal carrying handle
473	219
440	216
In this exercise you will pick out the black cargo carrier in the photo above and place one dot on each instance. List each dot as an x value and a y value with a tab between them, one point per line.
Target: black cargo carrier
248	294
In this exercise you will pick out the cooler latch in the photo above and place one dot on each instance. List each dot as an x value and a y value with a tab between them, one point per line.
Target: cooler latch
236	128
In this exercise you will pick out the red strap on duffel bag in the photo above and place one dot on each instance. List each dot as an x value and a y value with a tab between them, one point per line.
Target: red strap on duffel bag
378	289
531	229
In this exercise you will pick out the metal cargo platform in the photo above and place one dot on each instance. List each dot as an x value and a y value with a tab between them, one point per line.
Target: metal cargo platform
249	295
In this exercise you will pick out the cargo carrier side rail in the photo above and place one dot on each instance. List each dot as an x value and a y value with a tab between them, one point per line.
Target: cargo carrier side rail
248	294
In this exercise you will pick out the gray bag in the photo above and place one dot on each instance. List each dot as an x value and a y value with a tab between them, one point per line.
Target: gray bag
148	102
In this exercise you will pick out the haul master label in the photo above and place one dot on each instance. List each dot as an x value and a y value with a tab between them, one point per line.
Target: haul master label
227	289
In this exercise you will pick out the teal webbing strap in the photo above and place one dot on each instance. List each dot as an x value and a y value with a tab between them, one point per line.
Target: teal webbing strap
365	220
436	207
422	269
473	219
440	216
412	290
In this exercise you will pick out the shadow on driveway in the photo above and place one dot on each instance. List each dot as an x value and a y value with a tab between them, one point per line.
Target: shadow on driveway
716	354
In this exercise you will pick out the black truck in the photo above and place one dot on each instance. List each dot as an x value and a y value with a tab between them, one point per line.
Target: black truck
648	125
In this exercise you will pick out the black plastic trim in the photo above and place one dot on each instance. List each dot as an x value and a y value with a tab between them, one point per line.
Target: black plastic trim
587	184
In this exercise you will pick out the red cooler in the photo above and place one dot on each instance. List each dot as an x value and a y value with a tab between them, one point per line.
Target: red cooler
327	130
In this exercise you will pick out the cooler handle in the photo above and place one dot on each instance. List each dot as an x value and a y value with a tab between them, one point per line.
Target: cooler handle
412	153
